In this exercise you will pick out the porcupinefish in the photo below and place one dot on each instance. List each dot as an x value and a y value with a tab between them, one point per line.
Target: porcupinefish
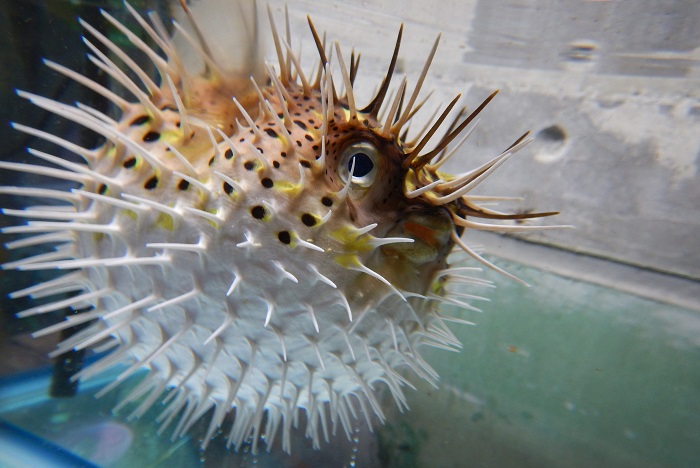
256	241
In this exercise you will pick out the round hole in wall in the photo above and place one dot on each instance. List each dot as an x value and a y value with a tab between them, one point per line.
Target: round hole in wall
550	144
553	133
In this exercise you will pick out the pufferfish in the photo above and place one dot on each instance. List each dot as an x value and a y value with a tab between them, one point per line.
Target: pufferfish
256	241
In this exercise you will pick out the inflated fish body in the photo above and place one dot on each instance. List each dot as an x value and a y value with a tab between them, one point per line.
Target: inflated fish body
259	244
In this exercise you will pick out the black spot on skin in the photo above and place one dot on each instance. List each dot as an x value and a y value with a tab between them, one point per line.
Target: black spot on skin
276	164
183	185
140	120
258	212
102	189
298	143
228	188
151	137
211	161
151	183
228	154
259	149
284	237
314	147
283	154
271	132
308	219
129	163
267	182
242	140
306	164
300	124
250	165
327	201
309	137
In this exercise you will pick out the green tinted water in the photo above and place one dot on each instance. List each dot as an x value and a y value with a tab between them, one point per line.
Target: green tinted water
564	374
561	374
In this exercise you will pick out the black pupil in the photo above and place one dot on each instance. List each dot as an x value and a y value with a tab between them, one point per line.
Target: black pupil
363	164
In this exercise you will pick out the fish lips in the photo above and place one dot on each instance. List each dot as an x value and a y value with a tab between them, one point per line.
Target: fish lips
430	231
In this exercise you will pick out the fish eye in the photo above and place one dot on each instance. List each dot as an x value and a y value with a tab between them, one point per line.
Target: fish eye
365	157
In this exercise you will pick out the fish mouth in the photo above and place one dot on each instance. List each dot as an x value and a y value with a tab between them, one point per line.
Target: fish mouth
430	231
